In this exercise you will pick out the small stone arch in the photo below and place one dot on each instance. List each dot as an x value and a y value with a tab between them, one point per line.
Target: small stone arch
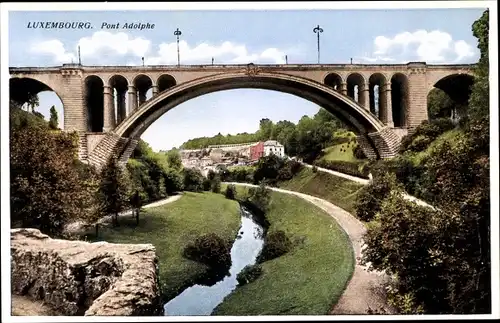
119	87
458	86
143	85
376	83
400	99
333	80
94	102
165	82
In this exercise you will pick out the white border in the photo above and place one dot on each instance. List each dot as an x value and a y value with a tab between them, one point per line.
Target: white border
361	5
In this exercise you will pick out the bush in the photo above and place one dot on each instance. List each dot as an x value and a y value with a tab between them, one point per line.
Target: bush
193	180
276	244
215	185
249	274
359	153
230	192
424	134
260	197
211	250
207	184
314	169
369	200
173	181
269	168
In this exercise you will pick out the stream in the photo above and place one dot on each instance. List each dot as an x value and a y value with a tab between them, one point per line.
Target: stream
202	300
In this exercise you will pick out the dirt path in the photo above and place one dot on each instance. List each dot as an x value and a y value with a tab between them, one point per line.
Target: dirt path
365	289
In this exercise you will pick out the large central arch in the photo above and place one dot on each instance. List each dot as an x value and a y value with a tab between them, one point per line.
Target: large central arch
375	138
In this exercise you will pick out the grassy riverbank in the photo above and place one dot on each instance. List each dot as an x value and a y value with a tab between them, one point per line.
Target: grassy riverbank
172	226
337	190
306	281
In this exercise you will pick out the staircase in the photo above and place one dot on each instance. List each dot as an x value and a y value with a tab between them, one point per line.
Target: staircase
83	148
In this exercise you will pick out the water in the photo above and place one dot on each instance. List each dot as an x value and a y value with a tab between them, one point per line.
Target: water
202	300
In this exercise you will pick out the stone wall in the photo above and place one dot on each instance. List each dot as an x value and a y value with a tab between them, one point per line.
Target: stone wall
82	278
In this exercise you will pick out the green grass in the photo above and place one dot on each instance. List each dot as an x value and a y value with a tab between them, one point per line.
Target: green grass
335	153
310	278
171	227
449	136
337	190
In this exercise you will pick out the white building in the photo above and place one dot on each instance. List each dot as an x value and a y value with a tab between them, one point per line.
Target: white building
274	147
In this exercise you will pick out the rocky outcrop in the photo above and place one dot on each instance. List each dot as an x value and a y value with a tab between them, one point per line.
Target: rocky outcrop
82	278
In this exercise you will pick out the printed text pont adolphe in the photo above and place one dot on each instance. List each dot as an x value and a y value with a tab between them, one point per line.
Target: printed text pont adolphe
88	25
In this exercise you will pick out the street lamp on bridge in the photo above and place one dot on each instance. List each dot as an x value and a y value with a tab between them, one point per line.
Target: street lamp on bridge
178	33
318	30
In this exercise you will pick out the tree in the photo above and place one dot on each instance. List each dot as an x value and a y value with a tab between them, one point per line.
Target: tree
53	122
136	203
113	191
47	187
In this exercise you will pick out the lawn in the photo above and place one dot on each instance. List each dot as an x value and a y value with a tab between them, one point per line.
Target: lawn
342	152
306	281
337	190
171	227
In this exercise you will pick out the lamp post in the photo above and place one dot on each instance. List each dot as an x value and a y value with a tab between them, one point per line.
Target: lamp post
318	30
178	33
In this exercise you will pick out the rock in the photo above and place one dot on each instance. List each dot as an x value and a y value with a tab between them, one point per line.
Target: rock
82	278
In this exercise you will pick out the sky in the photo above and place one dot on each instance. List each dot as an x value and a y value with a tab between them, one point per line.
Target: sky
436	36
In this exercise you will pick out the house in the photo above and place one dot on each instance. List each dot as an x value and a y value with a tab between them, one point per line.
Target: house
256	151
274	147
216	155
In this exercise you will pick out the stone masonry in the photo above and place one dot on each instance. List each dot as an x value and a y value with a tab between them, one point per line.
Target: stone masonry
71	83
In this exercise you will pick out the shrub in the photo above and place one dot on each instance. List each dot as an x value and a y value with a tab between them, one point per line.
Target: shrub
207	184
359	153
230	192
249	274
193	180
260	197
173	181
276	244
211	250
314	169
369	200
419	143
215	185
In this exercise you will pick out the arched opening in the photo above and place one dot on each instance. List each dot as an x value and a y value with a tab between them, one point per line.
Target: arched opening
142	84
450	97
94	102
119	85
334	81
355	84
37	97
378	103
165	82
399	99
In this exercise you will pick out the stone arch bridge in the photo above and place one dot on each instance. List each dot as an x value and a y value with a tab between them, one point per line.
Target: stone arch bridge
109	108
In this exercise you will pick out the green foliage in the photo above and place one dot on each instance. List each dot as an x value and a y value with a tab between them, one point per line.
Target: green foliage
359	153
174	159
440	105
424	134
114	190
216	184
242	174
48	187
173	181
249	274
276	244
211	250
193	180
260	197
207	184
230	192
54	120
369	200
